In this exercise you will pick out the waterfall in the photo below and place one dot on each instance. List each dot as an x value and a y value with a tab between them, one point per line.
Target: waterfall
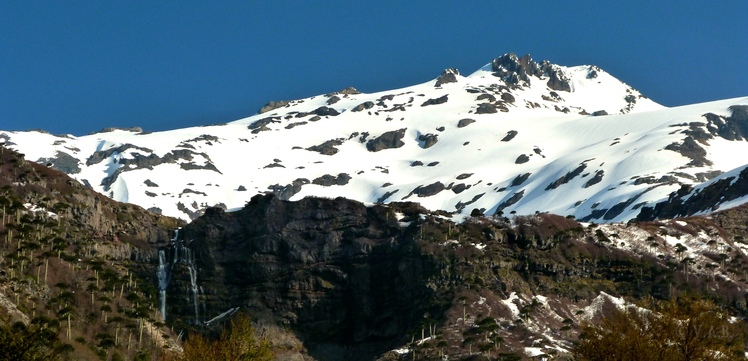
163	281
189	260
164	272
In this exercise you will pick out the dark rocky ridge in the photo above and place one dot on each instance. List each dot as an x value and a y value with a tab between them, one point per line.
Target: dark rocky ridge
514	70
139	161
271	105
734	127
342	275
352	283
448	76
687	202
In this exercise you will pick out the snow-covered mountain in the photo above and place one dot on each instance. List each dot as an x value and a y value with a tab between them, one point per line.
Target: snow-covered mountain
514	136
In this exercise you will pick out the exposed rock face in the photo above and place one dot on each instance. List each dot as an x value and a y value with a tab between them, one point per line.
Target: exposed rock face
329	180
111	129
523	158
261	124
509	135
567	177
288	191
99	156
507	97
326	148
341	275
139	161
596	179
520	179
324	111
98	215
427	140
514	70
429	190
486	108
558	81
347	91
734	127
691	149
388	140
465	122
448	76
363	106
460	187
63	162
333	99
686	201
440	100
510	201
271	105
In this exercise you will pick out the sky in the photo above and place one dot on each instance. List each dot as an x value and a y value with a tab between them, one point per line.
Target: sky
76	67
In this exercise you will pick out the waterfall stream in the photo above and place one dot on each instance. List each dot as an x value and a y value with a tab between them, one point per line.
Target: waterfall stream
164	271
189	261
163	281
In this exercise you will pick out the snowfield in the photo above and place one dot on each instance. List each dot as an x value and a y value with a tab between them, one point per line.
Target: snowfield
482	141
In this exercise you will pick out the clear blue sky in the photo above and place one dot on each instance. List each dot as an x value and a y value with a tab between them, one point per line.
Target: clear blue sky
80	66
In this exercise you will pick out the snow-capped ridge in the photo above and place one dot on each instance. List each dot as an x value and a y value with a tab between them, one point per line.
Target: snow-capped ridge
515	136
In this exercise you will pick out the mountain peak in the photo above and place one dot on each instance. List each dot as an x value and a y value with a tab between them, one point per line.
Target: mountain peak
449	75
514	70
514	136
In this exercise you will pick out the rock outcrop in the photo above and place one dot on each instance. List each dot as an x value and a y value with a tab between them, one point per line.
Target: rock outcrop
388	140
341	275
448	76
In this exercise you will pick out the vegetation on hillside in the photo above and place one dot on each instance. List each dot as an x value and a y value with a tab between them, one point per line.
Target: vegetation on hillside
237	342
684	329
69	273
36	341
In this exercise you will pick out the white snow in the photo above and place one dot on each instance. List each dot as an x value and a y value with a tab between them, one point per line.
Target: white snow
511	303
622	146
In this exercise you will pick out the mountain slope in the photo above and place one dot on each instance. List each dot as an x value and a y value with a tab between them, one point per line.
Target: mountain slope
333	279
81	263
354	282
515	136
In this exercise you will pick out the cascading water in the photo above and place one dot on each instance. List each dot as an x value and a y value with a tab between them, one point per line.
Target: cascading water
163	281
164	272
189	260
